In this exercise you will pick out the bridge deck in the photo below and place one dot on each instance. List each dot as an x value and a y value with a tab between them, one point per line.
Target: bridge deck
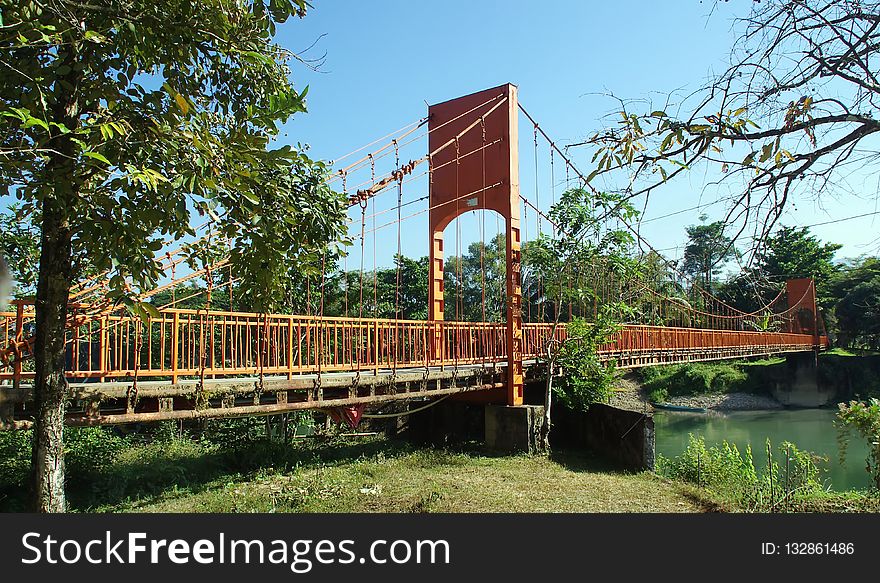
122	400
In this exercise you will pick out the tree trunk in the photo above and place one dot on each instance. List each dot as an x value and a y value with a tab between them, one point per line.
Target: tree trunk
50	386
53	292
548	400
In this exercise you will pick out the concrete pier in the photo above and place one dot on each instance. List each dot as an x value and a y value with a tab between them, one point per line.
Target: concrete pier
802	388
514	429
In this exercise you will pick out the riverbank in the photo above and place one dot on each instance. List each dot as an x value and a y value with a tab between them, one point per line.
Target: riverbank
745	385
631	394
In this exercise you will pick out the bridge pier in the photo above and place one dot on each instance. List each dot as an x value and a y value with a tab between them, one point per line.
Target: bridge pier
502	428
514	428
802	388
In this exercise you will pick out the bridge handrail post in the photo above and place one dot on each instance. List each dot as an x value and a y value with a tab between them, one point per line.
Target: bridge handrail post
175	327
19	339
375	346
290	347
103	349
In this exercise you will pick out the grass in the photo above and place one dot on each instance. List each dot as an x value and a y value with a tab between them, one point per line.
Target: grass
839	351
367	475
248	473
841	502
391	476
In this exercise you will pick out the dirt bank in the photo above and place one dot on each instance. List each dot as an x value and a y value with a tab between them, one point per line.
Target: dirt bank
631	396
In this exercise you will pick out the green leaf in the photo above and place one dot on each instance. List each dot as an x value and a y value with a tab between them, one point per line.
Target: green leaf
35	121
251	196
150	309
92	36
98	156
181	103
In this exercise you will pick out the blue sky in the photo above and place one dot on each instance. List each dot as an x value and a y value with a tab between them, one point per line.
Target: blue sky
385	59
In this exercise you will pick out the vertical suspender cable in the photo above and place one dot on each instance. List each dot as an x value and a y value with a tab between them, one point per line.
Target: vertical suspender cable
397	313
375	267
345	258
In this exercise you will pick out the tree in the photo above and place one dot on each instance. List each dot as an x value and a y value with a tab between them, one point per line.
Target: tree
796	111
403	289
791	253
788	253
707	250
856	288
475	281
19	251
118	121
581	242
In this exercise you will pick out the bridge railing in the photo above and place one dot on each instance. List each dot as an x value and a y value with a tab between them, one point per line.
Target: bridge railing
190	343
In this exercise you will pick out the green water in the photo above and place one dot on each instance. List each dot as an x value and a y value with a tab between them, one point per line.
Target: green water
808	429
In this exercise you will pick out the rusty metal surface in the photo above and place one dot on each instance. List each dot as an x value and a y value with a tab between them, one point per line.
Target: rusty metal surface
241	344
484	122
309	362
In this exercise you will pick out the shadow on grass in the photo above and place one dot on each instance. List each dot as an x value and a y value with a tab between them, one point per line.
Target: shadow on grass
146	472
579	460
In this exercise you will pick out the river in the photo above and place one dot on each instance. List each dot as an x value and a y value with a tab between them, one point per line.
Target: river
809	429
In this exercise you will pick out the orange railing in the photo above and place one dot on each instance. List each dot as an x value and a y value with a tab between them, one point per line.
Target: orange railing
189	343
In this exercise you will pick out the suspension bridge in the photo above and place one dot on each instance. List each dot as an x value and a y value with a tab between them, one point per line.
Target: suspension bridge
203	363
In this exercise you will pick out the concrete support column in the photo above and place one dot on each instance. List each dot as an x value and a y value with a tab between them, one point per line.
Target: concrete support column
514	428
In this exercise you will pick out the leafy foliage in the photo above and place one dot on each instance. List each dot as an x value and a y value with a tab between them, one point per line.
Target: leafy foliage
584	378
153	110
857	290
707	250
19	247
790	475
864	418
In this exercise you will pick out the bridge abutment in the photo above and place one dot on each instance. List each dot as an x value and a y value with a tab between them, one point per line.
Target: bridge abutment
621	436
803	388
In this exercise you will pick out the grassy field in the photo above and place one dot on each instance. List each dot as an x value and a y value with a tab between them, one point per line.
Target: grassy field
391	476
246	473
234	468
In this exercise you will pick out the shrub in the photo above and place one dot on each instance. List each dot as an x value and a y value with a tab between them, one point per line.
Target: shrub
658	395
585	378
15	463
88	450
790	476
863	417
